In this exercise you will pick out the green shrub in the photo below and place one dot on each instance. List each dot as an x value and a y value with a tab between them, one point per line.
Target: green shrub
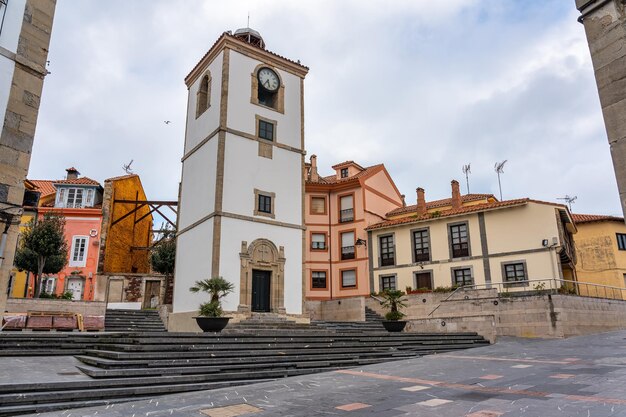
211	309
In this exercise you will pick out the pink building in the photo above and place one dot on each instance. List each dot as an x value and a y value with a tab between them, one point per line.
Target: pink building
337	210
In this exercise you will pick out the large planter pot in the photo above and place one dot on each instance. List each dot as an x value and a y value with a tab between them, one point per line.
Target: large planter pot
394	325
212	324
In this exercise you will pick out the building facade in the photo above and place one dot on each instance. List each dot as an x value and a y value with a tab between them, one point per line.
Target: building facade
25	27
472	240
241	193
338	208
601	252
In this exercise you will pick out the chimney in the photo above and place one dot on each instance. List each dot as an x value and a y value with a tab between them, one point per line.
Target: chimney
403	200
421	201
314	176
72	173
456	195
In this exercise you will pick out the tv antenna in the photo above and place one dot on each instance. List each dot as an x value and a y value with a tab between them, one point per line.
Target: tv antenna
499	168
126	167
569	200
466	170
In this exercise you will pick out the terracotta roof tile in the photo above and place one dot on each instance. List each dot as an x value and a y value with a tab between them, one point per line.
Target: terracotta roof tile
79	181
345	164
453	212
121	177
589	218
45	187
332	179
440	203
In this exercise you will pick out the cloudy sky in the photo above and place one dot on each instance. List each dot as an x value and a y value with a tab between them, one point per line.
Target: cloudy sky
421	86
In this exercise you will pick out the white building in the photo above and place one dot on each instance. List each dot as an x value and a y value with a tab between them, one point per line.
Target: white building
241	194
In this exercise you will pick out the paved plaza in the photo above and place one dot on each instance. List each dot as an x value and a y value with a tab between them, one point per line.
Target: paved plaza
579	376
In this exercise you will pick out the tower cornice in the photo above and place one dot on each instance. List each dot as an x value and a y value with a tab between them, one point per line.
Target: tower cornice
229	41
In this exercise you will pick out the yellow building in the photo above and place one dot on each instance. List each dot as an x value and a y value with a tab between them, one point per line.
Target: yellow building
601	247
513	245
18	279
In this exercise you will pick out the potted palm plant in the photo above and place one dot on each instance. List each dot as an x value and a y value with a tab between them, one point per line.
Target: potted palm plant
210	314
392	300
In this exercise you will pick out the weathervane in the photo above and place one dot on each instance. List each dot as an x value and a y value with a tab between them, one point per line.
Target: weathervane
466	170
499	168
569	200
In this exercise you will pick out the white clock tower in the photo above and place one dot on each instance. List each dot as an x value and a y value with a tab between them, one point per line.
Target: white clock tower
241	195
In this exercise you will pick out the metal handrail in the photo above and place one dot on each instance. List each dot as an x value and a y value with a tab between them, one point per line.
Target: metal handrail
446	299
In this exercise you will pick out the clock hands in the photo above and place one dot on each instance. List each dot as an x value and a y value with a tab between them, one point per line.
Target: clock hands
267	83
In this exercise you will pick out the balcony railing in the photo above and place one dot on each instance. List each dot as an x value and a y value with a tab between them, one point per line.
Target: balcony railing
346	215
422	256
460	250
387	260
347	252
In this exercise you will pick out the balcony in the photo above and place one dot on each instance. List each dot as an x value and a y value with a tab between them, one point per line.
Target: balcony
347	252
346	215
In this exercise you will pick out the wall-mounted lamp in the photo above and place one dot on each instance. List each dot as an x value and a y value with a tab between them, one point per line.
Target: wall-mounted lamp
360	242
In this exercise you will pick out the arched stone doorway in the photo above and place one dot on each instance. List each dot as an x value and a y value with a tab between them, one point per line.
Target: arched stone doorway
261	261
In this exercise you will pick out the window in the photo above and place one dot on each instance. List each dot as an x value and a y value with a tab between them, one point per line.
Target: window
387	282
621	241
387	251
346	209
423	280
514	272
318	205
347	245
264	203
462	276
318	279
49	285
318	241
421	246
348	278
203	95
75	197
266	130
79	251
459	240
344	173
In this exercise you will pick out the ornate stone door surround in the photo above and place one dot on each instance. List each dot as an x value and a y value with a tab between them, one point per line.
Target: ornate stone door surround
262	254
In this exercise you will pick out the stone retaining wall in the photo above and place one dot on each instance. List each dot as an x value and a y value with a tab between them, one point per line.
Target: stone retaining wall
483	325
345	309
25	305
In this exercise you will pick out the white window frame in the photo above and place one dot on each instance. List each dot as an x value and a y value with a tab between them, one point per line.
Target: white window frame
46	284
83	261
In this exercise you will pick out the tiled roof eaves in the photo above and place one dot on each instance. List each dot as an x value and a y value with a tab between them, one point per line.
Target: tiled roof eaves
331	179
226	35
439	203
450	213
592	218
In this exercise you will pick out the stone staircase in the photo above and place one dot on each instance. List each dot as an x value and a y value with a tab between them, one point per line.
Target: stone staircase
126	366
133	321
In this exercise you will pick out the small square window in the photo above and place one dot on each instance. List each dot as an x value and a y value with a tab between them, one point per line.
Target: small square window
318	205
621	241
514	272
387	282
348	278
266	130
318	241
344	173
265	203
318	279
462	276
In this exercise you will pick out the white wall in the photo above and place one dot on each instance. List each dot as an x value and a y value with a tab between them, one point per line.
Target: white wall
8	40
291	239
241	112
244	171
197	198
193	263
200	128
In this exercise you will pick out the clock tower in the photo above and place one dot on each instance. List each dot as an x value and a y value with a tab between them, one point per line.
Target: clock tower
241	193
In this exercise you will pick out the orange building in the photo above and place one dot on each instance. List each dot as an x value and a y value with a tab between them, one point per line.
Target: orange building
337	210
79	201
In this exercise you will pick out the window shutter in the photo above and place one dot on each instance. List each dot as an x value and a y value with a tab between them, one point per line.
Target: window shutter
348	278
319	238
346	202
318	205
347	239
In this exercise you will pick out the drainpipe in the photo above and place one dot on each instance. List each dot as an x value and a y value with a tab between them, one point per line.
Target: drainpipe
330	247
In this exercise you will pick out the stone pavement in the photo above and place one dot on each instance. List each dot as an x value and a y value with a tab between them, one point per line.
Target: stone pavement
580	376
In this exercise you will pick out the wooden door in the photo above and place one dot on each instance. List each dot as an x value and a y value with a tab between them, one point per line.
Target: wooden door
151	294
261	290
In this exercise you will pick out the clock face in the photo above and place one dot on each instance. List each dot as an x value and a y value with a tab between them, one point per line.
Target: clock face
268	79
